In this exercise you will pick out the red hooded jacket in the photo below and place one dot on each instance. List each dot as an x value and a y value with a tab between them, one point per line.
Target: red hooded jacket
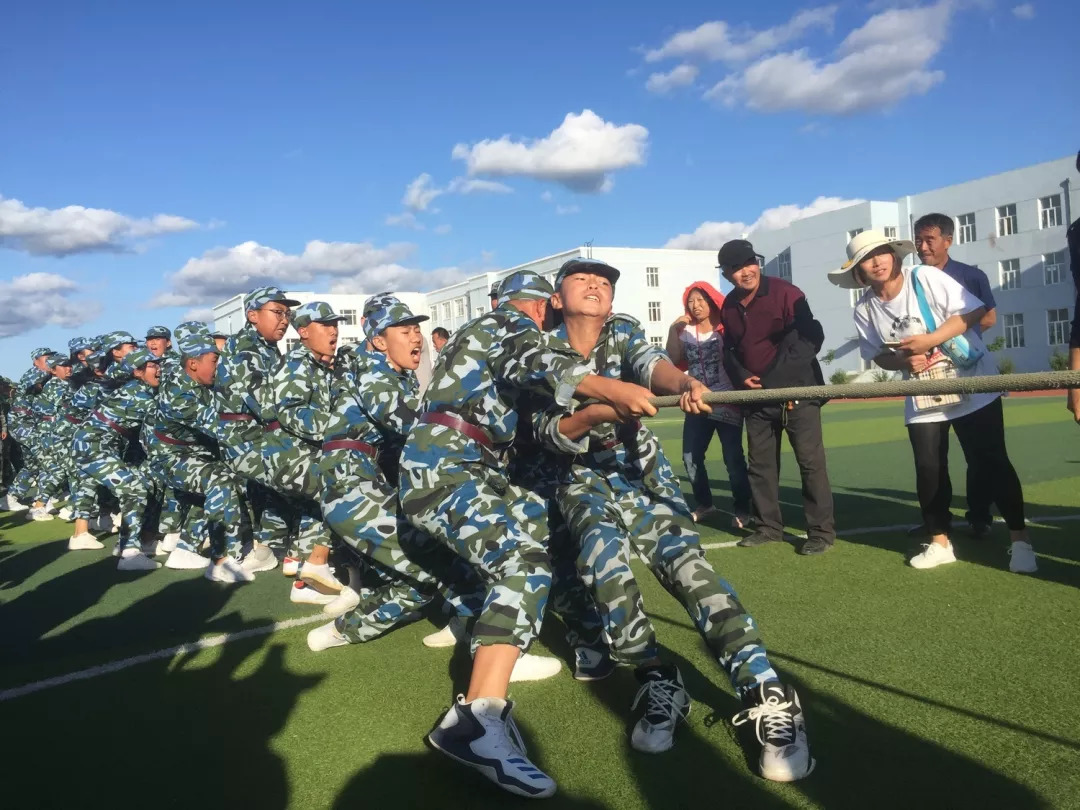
715	296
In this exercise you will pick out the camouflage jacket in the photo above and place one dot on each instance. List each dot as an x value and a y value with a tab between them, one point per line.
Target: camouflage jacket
86	397
299	398
50	405
186	420
119	417
244	370
22	418
479	377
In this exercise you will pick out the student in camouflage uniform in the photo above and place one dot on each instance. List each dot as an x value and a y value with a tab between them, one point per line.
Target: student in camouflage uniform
100	447
7	392
87	391
454	486
620	496
186	456
298	407
248	361
159	343
25	426
50	445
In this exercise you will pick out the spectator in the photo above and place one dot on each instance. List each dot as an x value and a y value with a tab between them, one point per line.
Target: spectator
439	336
696	345
901	333
771	341
1073	236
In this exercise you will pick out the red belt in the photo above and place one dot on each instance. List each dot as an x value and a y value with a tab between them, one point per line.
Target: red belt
460	425
275	425
170	440
21	411
73	419
46	418
236	417
350	444
118	428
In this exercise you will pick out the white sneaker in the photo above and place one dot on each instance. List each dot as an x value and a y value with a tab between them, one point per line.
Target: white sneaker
666	703
9	504
1022	558
933	555
136	562
228	569
343	602
321	578
531	667
781	731
84	541
260	558
453	634
301	594
181	559
324	637
65	513
169	542
482	735
115	516
290	566
40	513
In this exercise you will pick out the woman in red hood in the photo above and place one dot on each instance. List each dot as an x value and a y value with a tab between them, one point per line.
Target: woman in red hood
696	345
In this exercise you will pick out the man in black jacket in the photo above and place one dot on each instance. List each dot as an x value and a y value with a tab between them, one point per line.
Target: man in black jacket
771	340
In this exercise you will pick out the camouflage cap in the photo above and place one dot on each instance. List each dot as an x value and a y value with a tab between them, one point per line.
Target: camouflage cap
525	285
265	295
587	266
118	338
378	301
42	352
314	312
78	344
494	292
158	332
139	358
58	360
188	328
392	312
196	345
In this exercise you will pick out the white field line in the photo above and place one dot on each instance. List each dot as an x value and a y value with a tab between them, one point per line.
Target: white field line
218	641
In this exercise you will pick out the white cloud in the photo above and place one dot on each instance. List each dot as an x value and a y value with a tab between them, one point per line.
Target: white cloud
679	76
406	219
397	277
36	299
471	185
420	193
76	229
1025	11
547	196
222	272
717	41
443	229
876	66
581	153
562	210
711	235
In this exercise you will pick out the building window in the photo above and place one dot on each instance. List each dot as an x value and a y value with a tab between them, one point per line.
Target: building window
291	344
446	311
1014	330
350	341
890	231
434	313
656	341
348	317
852	234
459	307
652	276
783	265
854	296
1006	219
1058	325
1050	211
1054	267
1010	274
479	311
654	311
966	231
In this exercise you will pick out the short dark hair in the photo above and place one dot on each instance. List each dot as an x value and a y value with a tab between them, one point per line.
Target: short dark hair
939	221
443	333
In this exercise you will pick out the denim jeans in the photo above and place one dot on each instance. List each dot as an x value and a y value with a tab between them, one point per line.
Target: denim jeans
698	431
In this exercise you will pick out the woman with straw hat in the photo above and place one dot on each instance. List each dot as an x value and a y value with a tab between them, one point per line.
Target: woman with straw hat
920	322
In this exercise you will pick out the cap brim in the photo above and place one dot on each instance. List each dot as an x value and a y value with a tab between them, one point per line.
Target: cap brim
758	256
844	277
410	321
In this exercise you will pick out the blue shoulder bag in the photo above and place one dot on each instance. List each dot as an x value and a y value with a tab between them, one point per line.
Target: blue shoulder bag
957	349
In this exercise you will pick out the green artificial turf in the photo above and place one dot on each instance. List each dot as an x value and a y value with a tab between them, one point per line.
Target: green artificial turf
955	687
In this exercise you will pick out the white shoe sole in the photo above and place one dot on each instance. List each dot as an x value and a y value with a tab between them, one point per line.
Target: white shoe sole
490	773
540	668
84	544
309	596
325	638
290	566
315	579
442	639
253	566
183	560
137	562
343	603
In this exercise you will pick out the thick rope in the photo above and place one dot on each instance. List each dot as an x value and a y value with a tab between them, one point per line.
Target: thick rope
1036	381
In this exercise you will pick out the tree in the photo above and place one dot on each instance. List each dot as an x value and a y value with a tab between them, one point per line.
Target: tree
839	377
1059	361
828	357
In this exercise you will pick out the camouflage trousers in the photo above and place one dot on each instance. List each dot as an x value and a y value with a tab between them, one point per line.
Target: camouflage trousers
217	499
294	477
363	509
610	519
57	465
499	528
134	487
272	514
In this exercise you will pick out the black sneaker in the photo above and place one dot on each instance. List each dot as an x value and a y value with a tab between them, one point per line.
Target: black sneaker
815	545
758	538
780	729
979	530
666	702
592	664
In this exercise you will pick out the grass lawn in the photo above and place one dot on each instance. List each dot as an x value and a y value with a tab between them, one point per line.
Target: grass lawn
950	688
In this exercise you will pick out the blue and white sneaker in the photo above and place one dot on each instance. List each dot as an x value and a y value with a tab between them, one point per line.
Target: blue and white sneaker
482	735
780	727
666	703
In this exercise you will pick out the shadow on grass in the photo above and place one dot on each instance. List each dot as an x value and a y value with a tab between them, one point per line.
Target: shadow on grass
17	562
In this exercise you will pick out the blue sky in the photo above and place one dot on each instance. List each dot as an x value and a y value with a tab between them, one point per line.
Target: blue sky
245	143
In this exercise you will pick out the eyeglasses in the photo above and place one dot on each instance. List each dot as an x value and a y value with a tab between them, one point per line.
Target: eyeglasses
280	314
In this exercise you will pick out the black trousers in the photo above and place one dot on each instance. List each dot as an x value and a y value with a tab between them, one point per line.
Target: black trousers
764	427
982	438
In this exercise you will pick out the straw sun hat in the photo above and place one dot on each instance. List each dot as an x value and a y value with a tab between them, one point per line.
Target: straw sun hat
858	249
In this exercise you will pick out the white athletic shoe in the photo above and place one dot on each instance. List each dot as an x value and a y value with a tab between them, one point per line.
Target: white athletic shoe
1022	558
169	542
343	603
260	558
453	634
483	735
9	504
321	578
181	559
115	516
228	569
666	703
933	555
301	594
84	541
65	513
290	566
40	513
136	562
531	667
780	727
324	637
